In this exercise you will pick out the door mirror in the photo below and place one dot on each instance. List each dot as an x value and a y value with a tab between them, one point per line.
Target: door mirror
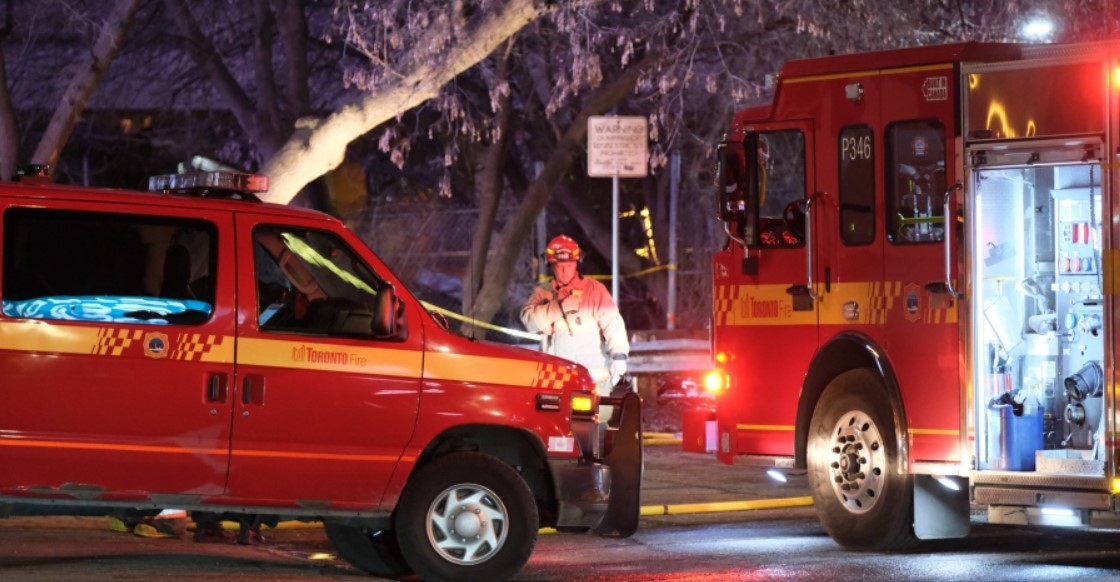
731	190
738	187
388	314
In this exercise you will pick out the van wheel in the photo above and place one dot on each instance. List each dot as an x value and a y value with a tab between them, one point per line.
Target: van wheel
372	551
864	498
467	516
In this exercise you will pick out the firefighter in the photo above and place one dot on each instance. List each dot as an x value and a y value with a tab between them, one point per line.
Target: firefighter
578	318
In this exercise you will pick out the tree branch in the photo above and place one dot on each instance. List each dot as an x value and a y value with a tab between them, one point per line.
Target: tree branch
501	267
78	92
206	58
319	144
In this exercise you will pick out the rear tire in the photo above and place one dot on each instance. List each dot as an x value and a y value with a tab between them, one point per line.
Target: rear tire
371	551
467	516
864	498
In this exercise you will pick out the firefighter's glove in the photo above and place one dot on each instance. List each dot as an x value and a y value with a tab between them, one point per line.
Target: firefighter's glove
618	367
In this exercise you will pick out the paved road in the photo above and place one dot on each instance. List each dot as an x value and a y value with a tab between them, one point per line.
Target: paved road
778	544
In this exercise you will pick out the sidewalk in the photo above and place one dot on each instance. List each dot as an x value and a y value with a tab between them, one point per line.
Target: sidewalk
676	478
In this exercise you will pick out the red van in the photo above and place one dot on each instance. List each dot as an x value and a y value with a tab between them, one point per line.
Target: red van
212	352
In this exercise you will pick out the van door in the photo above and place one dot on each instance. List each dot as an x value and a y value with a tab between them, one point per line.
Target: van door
116	341
326	398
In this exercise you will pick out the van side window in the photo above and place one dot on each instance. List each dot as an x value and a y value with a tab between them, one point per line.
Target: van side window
781	188
916	181
120	268
311	282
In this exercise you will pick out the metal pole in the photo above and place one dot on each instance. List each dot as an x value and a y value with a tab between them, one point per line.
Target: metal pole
614	237
542	234
674	186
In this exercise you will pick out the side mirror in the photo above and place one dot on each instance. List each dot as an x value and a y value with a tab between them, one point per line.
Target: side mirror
738	184
387	315
730	191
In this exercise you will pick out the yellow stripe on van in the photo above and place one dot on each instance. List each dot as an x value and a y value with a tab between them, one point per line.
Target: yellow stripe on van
490	370
302	355
42	336
57	337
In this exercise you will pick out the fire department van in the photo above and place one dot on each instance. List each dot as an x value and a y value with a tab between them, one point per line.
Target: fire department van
916	301
216	353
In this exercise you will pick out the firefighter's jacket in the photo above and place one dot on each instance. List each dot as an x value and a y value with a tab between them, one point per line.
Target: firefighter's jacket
584	327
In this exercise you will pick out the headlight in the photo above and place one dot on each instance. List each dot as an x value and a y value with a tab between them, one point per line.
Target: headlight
583	404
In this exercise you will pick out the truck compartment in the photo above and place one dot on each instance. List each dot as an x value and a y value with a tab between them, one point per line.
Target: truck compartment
1038	311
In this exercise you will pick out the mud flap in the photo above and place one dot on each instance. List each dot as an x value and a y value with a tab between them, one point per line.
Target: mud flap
625	459
940	512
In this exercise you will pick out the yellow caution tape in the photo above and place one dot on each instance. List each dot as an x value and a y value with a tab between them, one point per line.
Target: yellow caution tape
483	324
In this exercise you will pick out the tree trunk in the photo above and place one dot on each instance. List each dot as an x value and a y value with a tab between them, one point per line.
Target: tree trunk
76	97
500	269
319	144
489	184
9	130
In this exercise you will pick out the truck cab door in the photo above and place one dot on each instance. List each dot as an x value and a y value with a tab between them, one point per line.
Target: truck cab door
767	285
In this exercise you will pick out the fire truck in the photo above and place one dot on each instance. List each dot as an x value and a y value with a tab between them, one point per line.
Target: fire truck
915	301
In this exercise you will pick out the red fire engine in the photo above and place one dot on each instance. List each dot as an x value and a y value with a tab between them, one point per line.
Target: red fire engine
915	301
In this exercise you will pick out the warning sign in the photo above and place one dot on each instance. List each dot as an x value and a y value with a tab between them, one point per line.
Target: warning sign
617	146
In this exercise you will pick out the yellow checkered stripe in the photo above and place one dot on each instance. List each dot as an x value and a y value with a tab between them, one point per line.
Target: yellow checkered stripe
877	301
195	347
114	341
882	296
61	338
553	376
940	312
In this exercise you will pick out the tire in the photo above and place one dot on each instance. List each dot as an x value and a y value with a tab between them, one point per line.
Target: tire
500	519
864	498
373	552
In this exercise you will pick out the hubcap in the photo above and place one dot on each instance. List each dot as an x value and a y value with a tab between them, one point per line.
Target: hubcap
467	524
857	460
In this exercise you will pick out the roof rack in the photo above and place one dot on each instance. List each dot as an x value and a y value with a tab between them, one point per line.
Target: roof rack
232	185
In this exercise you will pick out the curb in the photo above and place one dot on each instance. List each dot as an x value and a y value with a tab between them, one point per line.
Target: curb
722	506
657	441
646	510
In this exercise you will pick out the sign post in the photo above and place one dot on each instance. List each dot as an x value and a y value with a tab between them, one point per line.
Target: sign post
617	147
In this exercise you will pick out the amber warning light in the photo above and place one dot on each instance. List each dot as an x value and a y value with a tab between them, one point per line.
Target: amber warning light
716	382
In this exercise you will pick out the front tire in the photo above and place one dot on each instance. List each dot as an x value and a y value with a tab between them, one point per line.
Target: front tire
467	516
864	498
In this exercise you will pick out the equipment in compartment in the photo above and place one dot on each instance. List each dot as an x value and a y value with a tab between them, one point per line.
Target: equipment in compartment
1040	342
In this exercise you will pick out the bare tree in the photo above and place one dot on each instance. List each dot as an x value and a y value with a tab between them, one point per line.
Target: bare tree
91	69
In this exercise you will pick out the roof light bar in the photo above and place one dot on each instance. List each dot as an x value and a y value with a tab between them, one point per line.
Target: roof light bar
225	181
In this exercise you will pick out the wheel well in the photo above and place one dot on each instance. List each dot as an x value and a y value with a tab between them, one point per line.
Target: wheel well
517	448
847	351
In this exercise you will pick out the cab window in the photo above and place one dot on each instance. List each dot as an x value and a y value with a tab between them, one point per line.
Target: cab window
105	267
915	181
311	282
780	180
857	185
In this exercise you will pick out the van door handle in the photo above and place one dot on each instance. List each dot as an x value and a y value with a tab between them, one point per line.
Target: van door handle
216	388
252	390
